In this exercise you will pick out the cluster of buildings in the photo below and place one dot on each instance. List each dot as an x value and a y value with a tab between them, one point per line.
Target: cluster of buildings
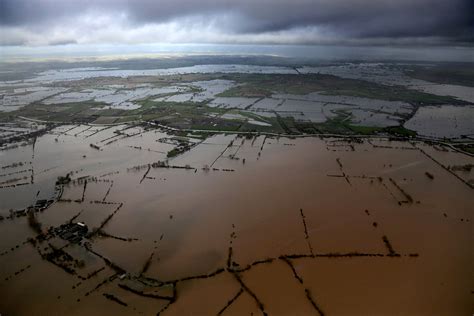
72	232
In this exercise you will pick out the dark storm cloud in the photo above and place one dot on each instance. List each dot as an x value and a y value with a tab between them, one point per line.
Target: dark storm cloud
451	20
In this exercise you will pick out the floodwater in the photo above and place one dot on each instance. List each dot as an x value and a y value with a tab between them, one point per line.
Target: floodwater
315	107
27	96
443	121
461	92
80	73
115	98
376	234
233	102
387	74
381	73
239	117
318	108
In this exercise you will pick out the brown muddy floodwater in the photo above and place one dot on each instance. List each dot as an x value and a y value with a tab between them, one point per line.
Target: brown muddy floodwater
303	226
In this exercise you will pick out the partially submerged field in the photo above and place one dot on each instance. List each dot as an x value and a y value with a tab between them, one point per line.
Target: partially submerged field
344	99
226	224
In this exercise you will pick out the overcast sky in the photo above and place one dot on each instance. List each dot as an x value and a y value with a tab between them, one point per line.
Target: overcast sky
361	22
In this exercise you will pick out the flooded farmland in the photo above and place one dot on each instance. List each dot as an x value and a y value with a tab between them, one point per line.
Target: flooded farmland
443	121
140	219
236	189
351	97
